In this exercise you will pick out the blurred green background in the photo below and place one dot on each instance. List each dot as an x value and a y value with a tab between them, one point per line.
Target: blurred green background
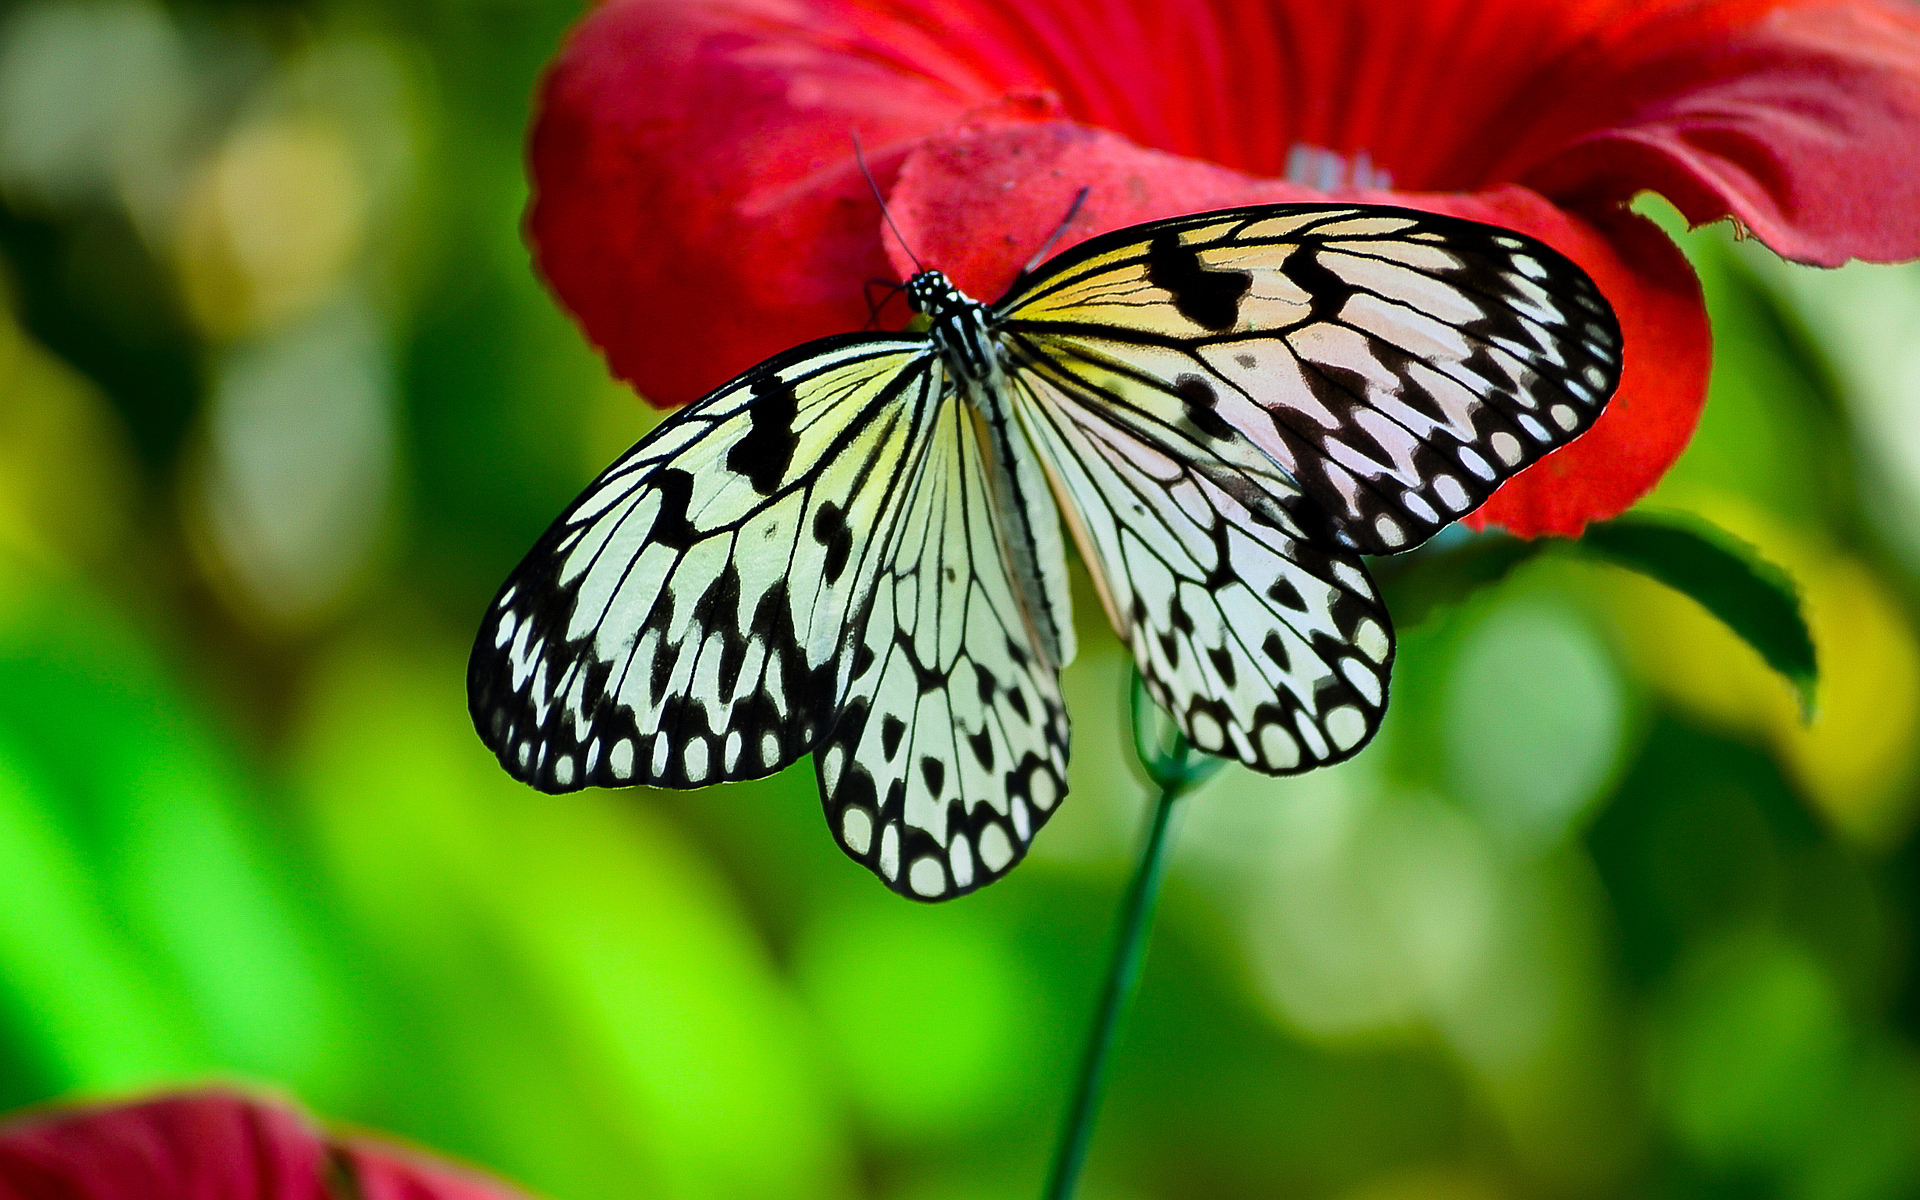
280	404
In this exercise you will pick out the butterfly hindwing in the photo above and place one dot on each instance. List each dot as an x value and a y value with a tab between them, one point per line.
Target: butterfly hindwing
685	621
1268	645
952	749
1399	365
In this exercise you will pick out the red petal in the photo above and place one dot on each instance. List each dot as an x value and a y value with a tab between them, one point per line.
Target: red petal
1019	179
386	1171
698	208
696	200
1802	122
209	1145
213	1145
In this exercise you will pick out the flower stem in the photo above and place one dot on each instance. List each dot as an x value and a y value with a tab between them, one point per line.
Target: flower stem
1122	974
1176	769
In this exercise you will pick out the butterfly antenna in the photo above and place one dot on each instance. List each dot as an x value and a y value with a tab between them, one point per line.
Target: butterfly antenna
890	289
1060	231
860	156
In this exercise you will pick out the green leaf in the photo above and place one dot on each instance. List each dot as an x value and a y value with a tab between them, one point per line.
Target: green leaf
1724	575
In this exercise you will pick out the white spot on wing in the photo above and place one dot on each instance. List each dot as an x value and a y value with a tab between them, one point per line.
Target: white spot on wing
1040	787
1207	733
1278	747
1361	676
960	858
995	850
1309	734
620	758
1371	639
926	877
1346	726
856	829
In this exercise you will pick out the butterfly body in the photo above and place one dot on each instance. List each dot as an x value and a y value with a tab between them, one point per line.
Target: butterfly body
857	549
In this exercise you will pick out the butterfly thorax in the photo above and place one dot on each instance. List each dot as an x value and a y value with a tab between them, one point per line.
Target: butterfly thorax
958	325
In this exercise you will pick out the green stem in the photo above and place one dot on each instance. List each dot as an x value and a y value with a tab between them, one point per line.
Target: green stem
1136	919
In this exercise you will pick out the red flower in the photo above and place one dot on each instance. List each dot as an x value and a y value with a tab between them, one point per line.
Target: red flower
698	206
213	1145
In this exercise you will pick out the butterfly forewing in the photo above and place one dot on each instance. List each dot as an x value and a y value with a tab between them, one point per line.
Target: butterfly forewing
1399	365
686	620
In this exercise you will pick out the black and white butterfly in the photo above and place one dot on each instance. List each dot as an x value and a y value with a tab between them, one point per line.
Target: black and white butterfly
855	549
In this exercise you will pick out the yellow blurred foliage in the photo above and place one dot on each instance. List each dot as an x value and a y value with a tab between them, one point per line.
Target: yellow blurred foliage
65	478
1854	761
272	222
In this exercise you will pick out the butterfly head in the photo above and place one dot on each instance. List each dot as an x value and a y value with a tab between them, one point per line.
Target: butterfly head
955	321
931	293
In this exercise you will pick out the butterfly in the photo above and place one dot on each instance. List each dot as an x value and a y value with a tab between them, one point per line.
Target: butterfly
857	549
